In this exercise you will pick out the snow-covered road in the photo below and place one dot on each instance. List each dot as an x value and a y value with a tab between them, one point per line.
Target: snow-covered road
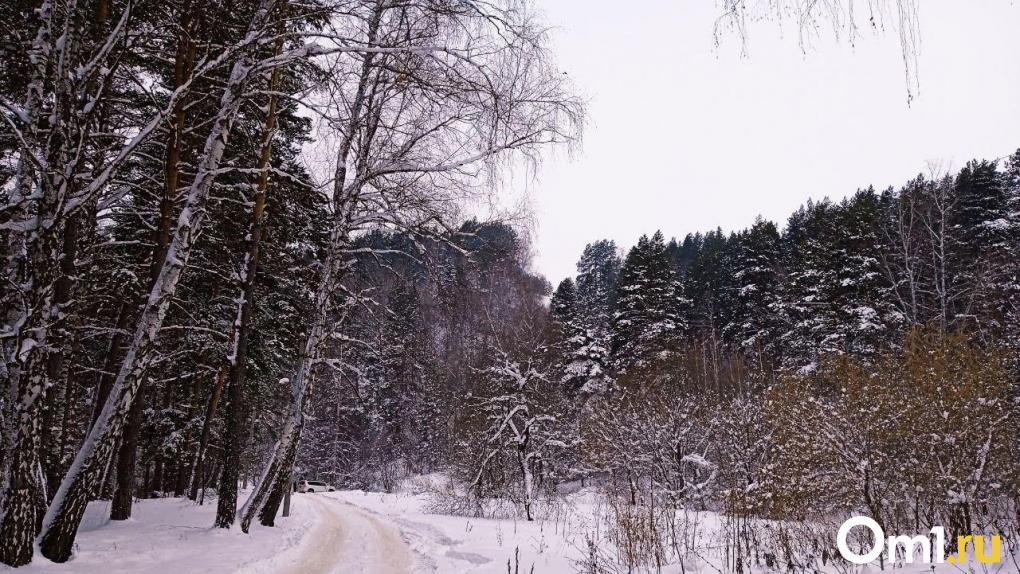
351	532
347	539
444	544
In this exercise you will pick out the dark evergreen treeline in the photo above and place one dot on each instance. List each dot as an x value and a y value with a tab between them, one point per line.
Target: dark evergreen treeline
850	277
457	347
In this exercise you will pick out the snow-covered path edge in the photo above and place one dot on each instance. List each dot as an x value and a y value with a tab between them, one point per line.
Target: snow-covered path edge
174	535
352	532
445	544
343	538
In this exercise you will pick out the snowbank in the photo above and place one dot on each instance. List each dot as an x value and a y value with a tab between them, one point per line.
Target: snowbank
175	535
459	545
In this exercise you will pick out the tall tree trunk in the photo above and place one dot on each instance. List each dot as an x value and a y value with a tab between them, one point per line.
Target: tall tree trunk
226	506
123	496
281	492
127	453
113	357
65	513
345	202
69	418
289	491
285	450
25	486
33	254
157	476
182	472
55	356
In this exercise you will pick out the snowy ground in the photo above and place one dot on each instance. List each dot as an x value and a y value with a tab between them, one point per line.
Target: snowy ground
355	532
343	532
175	535
455	545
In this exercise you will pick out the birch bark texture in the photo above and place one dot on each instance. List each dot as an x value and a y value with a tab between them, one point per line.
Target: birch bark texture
442	97
89	467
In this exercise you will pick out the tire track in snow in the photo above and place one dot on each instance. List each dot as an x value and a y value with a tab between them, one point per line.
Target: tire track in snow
348	540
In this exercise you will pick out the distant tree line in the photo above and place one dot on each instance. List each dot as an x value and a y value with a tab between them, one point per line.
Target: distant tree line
851	277
862	358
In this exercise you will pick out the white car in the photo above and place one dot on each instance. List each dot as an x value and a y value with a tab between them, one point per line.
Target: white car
314	486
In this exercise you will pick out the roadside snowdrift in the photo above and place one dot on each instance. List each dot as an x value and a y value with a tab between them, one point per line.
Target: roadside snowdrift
457	545
176	535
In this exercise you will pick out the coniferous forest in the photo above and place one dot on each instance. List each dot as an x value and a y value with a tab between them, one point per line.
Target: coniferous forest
862	354
192	308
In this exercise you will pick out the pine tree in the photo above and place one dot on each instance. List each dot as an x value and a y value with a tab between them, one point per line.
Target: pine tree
755	298
1011	272
979	222
866	321
645	324
981	208
687	252
706	279
809	257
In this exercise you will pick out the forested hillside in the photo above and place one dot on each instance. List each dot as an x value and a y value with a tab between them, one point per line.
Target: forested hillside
713	314
243	245
187	191
859	357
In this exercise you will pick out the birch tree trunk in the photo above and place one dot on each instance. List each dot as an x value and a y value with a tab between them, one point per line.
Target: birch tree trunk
285	450
344	204
65	512
68	83
33	248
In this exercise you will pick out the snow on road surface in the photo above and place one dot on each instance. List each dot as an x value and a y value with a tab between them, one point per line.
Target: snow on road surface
344	539
445	544
349	532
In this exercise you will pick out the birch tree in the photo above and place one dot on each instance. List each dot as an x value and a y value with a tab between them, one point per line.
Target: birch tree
442	95
844	18
519	428
68	506
66	156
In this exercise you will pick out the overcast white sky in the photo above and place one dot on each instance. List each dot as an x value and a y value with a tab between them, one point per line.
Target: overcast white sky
685	137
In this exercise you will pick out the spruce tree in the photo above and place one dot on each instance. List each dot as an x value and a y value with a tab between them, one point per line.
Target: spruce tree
866	321
979	222
597	275
563	304
755	299
1011	274
583	360
645	324
706	279
809	257
588	367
